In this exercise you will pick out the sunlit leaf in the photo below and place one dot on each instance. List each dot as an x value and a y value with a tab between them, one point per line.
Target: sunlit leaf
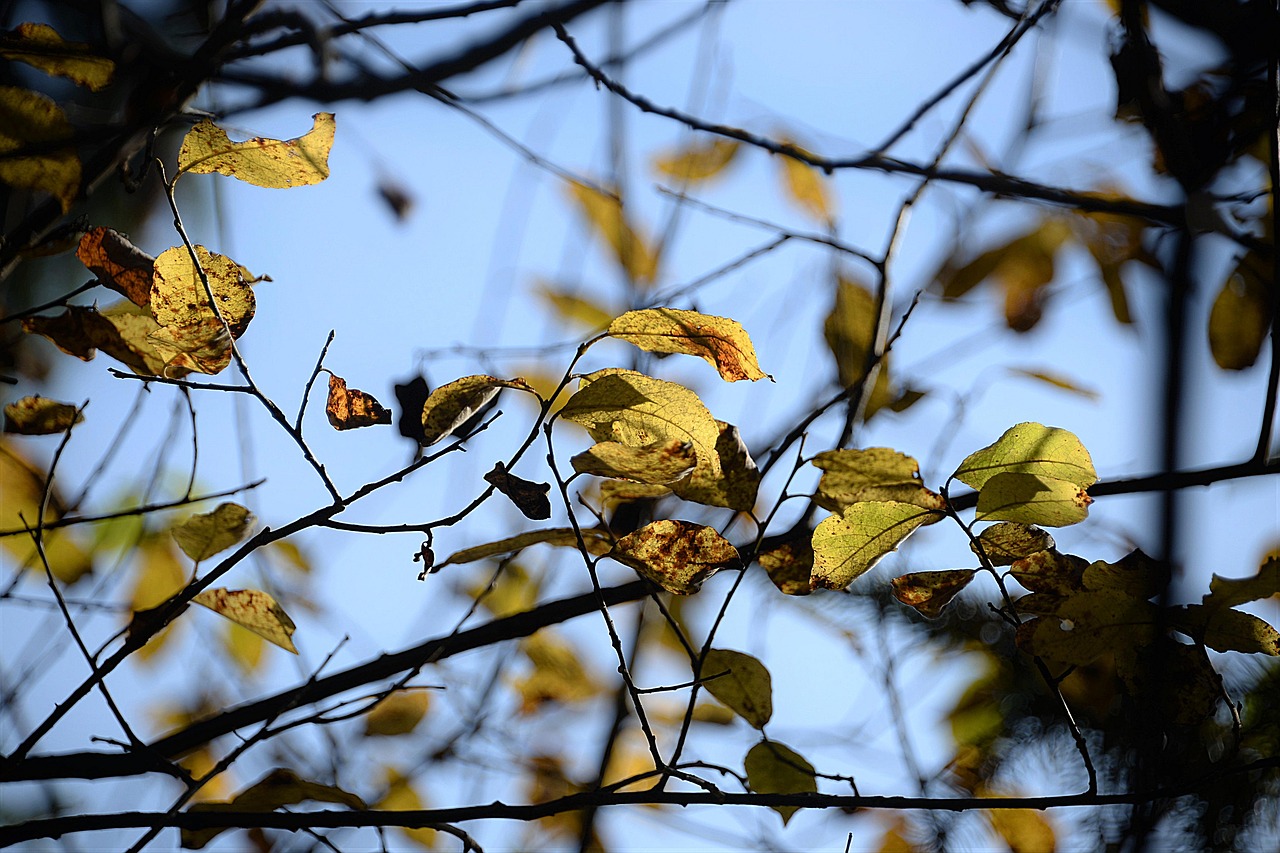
774	768
871	474
656	464
676	555
280	787
1008	541
159	575
719	341
39	45
741	682
191	335
575	308
397	714
930	592
850	330
1241	315
252	609
202	536
1030	448
697	161
1057	381
733	482
40	416
123	331
451	405
271	163
598	543
1032	499
352	408
845	546
244	647
1134	574
1024	830
604	212
118	264
32	121
558	675
529	497
806	186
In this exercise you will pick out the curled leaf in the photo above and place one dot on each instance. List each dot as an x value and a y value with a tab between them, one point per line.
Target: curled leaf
741	682
202	536
191	334
118	264
40	416
733	482
352	408
453	404
676	555
930	592
529	497
721	342
263	162
252	609
871	474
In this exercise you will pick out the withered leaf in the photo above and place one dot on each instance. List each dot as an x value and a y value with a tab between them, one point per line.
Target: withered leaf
676	555
529	497
252	609
452	405
720	341
930	592
1008	541
203	535
118	264
263	162
352	408
40	416
412	396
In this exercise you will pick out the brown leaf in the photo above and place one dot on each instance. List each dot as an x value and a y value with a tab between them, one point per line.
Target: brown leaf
118	264
929	592
352	409
529	497
40	416
676	555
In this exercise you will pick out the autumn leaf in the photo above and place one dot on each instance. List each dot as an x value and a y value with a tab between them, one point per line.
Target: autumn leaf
412	397
402	796
1087	624
847	545
352	409
676	555
598	542
1050	572
1030	448
574	308
930	592
263	162
1006	542
558	675
397	714
40	46
529	497
191	335
604	212
805	186
1056	380
741	682
849	330
775	768
123	331
40	416
453	404
252	609
1242	311
697	161
1032	499
733	482
1134	574
31	121
280	787
1228	592
1227	630
118	264
202	536
871	474
789	562
719	341
658	463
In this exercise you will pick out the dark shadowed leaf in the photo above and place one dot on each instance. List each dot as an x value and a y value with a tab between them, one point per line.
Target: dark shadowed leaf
118	264
930	592
398	714
278	788
774	768
742	683
1241	314
40	416
40	46
202	536
1009	541
529	497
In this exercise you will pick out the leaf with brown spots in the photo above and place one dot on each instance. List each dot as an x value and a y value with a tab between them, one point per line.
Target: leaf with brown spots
252	609
118	264
352	408
871	474
720	341
40	416
191	334
1009	541
676	555
789	562
201	536
930	592
263	162
529	497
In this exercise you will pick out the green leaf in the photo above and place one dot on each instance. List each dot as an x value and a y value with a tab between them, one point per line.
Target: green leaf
202	536
658	463
1009	541
733	483
676	555
1227	630
278	788
774	768
40	416
30	120
741	683
697	161
270	163
1228	592
930	592
850	330
721	342
450	405
1033	499
871	474
598	543
40	46
1241	314
847	545
252	609
1030	448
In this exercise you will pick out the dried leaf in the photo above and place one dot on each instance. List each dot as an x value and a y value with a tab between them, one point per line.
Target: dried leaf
252	609
352	409
1057	381
676	555
270	163
39	45
1050	572
604	212
598	542
1242	311
789	563
719	341
452	405
202	536
774	768
1008	541
1030	448
658	463
847	545
40	416
529	497
930	592
397	714
118	264
697	161
32	121
191	335
412	397
741	682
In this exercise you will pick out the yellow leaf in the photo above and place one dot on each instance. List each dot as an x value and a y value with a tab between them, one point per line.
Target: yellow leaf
40	416
1032	499
558	675
721	342
118	264
1228	592
513	592
243	646
1030	448
159	577
697	161
850	329
604	211
191	335
598	542
122	331
658	463
774	768
31	121
1241	315
847	545
1008	541
252	609
1057	381
270	163
401	796
201	536
871	474
574	308
450	405
397	714
930	592
742	683
615	492
40	45
806	186
676	555
733	482
1024	830
22	487
351	409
